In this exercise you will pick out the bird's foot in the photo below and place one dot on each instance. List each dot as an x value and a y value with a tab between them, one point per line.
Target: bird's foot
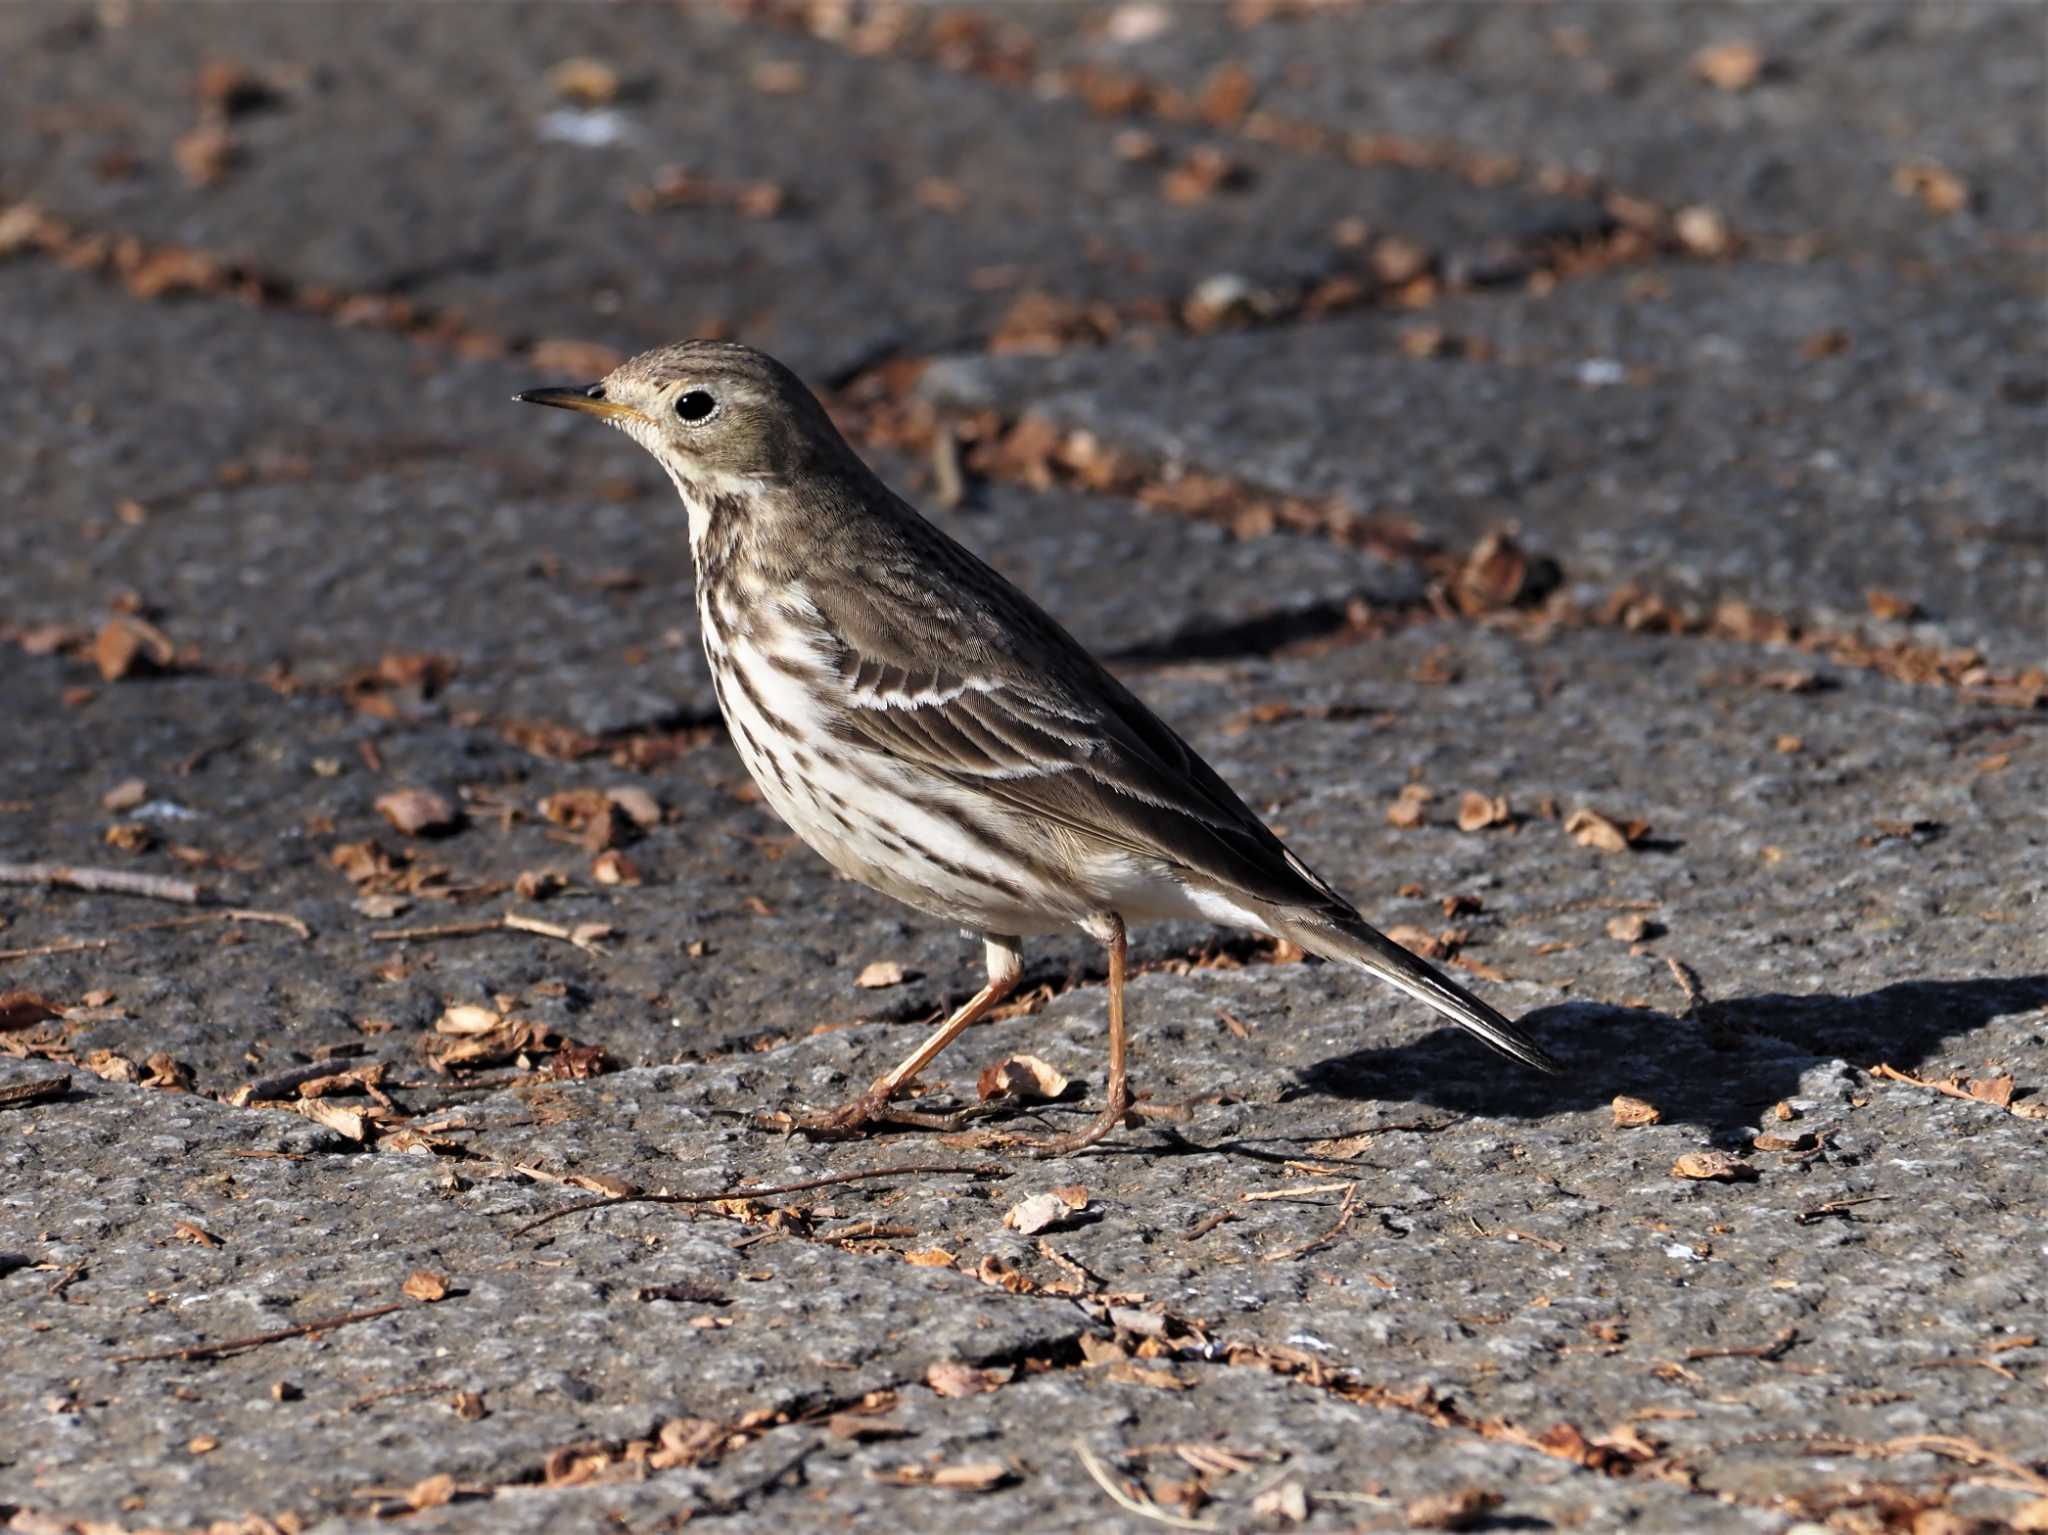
1119	1111
871	1109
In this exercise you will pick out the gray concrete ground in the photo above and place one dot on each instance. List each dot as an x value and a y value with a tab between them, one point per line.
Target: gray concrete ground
1247	323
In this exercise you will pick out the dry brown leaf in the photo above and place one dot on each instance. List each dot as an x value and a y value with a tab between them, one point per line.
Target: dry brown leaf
586	934
603	1183
1702	230
202	1444
584	82
639	806
882	973
198	1236
1133	1374
166	1073
1206	171
130	837
862	1428
343	1122
1590	828
1712	1166
1939	189
1398	262
418	812
1003	1276
1477	811
930	1258
1226	95
112	1066
950	1377
538	884
127	646
468	1406
125	795
424	1286
431	1492
1284	1504
1629	1112
1498	573
1096	1350
685	1441
1631	927
968	1476
1730	66
1073	1195
1030	1216
466	1018
614	868
1996	1091
205	154
1768	1142
1409	808
1419	941
590	814
1023	1077
360	863
230	89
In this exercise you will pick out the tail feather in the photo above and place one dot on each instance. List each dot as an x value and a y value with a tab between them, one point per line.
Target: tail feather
1357	943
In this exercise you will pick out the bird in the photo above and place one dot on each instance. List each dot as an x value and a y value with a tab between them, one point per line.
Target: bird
935	735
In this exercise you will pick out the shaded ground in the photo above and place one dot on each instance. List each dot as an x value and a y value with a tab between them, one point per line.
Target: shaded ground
1240	328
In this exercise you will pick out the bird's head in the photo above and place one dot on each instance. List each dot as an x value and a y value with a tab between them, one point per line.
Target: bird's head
711	411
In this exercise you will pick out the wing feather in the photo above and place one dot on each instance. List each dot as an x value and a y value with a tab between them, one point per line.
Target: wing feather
1037	724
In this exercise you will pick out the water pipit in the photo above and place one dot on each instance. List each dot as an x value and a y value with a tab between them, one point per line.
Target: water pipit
934	734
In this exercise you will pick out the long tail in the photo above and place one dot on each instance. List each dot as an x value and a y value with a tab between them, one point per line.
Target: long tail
1357	943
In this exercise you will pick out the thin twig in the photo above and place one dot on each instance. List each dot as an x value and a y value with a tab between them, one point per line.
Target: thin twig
65	1281
159	887
1297	1191
225	914
1953	1446
1209	1223
1777	1348
972	1169
1146	1509
381	1396
1688	982
1343	1220
61	946
1089	1283
1841	1207
510	921
439	930
232	914
1509	1233
258	1340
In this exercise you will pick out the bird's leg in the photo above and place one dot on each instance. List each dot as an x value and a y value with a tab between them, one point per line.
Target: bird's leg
1110	929
1005	969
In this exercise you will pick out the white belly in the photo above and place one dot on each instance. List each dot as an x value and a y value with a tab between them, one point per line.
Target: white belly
940	849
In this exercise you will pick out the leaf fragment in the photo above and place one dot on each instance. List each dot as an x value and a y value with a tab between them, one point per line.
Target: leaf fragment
1026	1078
424	1286
1712	1167
1630	1112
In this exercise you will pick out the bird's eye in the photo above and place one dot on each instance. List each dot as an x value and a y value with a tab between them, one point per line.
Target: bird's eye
694	405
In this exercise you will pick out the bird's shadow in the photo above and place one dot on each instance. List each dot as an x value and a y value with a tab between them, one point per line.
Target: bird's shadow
1720	1067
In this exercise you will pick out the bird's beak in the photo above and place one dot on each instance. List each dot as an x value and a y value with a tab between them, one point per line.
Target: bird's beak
589	399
